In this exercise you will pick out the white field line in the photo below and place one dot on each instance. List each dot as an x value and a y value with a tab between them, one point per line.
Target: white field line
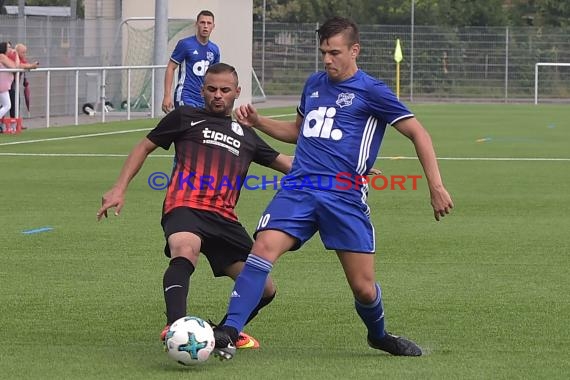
480	158
19	154
284	115
275	116
97	134
74	137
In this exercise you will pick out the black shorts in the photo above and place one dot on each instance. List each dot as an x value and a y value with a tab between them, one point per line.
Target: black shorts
224	241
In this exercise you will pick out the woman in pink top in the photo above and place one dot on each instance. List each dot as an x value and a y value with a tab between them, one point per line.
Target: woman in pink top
6	78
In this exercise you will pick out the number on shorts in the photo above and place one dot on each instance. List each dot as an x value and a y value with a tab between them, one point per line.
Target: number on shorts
263	221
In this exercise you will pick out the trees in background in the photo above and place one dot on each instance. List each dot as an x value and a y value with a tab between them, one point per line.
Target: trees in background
51	3
554	13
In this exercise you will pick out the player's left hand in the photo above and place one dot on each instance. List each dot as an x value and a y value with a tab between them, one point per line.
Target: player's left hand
441	203
246	115
374	171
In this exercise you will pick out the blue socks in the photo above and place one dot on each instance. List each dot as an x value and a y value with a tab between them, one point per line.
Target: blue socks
372	315
247	291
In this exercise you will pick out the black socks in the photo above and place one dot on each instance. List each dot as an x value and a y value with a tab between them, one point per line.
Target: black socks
176	282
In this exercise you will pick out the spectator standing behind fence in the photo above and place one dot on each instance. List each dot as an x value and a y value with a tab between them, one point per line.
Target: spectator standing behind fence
192	56
6	79
20	51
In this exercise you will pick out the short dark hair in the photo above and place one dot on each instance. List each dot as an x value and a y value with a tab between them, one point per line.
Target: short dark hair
205	13
3	47
220	67
337	25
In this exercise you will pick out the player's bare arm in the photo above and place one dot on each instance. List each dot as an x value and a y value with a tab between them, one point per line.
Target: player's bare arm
282	163
440	198
115	197
167	103
286	131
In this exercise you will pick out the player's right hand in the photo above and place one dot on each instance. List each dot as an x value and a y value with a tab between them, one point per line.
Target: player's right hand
112	198
167	104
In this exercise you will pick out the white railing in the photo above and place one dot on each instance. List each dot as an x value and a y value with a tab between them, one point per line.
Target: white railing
102	96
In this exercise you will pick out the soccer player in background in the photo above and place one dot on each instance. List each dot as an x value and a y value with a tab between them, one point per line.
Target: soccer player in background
340	125
212	154
192	56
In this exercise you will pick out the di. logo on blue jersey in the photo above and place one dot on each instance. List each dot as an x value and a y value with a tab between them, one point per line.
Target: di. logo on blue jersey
199	68
320	123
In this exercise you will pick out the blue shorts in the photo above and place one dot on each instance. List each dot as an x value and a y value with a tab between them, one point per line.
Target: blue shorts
343	223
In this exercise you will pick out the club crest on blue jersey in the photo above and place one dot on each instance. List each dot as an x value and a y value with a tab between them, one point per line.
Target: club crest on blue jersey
210	56
344	99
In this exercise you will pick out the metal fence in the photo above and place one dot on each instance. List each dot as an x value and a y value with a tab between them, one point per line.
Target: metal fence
99	104
449	64
65	42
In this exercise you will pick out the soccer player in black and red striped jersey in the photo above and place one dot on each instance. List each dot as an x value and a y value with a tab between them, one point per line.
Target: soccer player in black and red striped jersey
212	157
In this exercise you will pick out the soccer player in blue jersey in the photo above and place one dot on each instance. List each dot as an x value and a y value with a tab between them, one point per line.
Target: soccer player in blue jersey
192	56
340	124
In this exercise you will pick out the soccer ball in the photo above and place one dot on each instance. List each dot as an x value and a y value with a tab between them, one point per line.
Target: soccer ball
190	340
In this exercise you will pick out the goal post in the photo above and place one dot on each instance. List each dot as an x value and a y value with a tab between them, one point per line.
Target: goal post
257	92
137	36
536	70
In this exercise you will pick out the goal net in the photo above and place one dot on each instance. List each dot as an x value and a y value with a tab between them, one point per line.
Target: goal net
139	35
552	82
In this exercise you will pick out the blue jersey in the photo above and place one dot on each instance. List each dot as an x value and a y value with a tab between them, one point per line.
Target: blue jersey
342	129
193	59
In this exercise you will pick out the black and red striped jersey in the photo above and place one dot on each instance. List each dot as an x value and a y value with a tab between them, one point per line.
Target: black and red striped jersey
211	159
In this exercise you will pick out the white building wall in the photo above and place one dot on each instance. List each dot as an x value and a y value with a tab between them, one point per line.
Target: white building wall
100	26
233	31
